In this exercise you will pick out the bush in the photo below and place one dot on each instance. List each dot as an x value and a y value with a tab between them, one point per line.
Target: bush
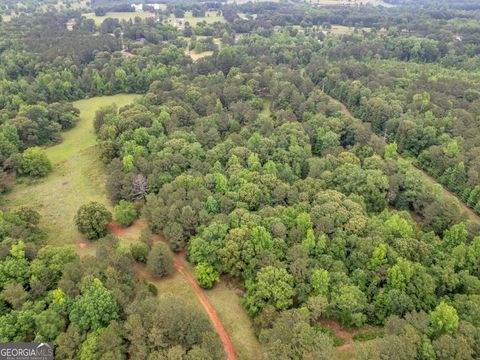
139	251
92	220
159	261
153	289
368	335
124	213
35	162
100	11
206	275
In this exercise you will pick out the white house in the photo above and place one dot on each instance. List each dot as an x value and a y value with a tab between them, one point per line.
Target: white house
138	7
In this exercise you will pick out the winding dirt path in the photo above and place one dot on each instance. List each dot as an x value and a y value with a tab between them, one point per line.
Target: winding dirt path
345	335
136	227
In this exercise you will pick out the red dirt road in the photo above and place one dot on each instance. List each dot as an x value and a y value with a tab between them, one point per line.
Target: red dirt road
212	314
217	323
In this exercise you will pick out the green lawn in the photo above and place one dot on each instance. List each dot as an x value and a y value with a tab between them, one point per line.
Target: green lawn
78	176
118	15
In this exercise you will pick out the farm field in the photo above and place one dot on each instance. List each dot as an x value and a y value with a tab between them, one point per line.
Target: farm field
118	15
77	176
210	18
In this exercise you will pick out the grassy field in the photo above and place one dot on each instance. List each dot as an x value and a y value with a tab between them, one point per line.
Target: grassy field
345	30
197	56
78	176
118	15
210	17
236	321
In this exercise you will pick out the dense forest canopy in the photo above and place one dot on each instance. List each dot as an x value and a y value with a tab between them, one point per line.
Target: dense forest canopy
323	159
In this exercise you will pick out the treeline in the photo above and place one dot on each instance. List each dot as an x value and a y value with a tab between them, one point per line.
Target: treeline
436	31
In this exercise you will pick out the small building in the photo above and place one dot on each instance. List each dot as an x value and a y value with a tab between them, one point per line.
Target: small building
137	7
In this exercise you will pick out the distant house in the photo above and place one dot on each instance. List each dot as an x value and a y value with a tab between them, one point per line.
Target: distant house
137	7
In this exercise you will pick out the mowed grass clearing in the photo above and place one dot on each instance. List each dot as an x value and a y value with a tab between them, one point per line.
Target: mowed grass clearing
78	176
119	15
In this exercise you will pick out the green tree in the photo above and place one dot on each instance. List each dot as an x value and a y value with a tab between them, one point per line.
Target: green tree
390	151
95	308
124	213
35	162
92	220
443	319
348	303
400	274
379	257
320	281
17	325
15	268
292	337
206	275
15	295
49	325
272	286
159	260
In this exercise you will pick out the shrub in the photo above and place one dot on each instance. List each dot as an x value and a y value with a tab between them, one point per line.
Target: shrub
368	335
35	162
206	275
153	289
139	251
124	213
92	220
